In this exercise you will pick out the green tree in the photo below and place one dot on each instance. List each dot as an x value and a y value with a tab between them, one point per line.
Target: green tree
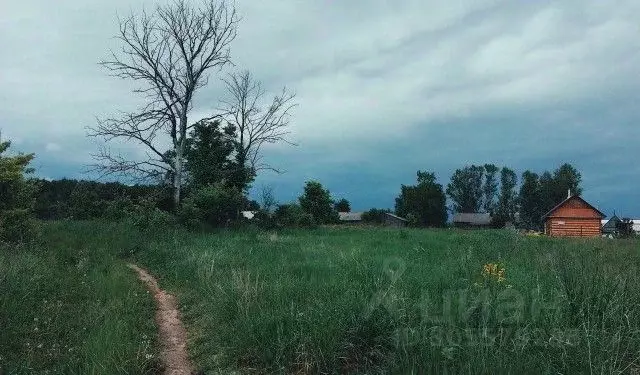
426	201
566	179
343	205
63	199
466	189
530	200
490	187
624	228
507	203
548	197
17	196
554	188
375	215
268	199
208	155
316	200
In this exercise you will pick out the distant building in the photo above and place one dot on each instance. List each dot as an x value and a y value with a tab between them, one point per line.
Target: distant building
610	226
472	220
392	220
248	214
350	217
573	217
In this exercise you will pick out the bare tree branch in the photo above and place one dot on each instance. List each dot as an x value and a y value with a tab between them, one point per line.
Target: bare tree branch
169	53
109	163
258	122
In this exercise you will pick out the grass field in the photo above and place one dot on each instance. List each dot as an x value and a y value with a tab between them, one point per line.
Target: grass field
351	300
69	306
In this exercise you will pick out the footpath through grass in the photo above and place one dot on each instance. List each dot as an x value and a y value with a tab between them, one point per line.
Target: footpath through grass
332	300
68	305
368	301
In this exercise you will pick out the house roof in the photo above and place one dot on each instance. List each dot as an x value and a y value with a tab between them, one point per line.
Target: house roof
474	218
611	223
395	217
569	199
350	216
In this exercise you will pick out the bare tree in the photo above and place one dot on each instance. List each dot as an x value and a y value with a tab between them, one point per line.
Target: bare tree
258	120
169	53
268	199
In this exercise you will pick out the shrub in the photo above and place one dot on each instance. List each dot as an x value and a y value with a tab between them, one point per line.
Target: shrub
189	215
16	226
85	203
147	216
217	205
119	208
264	220
292	215
17	196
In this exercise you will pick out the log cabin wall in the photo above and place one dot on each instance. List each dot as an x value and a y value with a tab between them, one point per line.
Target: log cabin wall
573	218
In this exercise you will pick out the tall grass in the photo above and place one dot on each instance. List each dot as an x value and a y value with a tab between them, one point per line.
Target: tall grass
331	300
68	305
372	301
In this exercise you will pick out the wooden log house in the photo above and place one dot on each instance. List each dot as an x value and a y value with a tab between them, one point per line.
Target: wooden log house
573	217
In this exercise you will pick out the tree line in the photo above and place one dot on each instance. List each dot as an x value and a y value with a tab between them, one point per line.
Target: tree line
215	194
488	189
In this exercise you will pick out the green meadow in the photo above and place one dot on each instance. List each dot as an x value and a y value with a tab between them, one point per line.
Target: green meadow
69	306
325	301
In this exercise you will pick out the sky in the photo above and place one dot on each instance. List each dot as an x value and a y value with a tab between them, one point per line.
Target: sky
384	88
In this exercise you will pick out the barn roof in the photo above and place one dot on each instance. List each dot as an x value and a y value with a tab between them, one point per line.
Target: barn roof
395	216
472	218
570	199
611	223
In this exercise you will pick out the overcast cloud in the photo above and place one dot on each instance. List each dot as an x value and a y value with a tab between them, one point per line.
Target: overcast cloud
384	88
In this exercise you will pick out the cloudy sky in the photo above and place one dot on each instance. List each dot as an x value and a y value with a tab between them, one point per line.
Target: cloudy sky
384	88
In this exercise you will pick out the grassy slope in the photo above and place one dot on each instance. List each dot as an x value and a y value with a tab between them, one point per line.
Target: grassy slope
337	300
69	306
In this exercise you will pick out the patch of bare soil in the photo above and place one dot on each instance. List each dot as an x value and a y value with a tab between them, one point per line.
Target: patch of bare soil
173	336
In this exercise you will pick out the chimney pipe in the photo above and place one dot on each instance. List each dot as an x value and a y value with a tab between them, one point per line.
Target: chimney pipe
568	193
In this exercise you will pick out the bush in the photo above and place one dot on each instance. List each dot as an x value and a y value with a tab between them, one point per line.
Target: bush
264	220
216	205
85	203
119	208
292	215
189	215
146	217
307	221
16	197
17	226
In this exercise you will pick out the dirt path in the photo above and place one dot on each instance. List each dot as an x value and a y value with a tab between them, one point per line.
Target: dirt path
173	336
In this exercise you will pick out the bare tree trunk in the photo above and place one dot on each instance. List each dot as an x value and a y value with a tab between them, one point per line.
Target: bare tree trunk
177	180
